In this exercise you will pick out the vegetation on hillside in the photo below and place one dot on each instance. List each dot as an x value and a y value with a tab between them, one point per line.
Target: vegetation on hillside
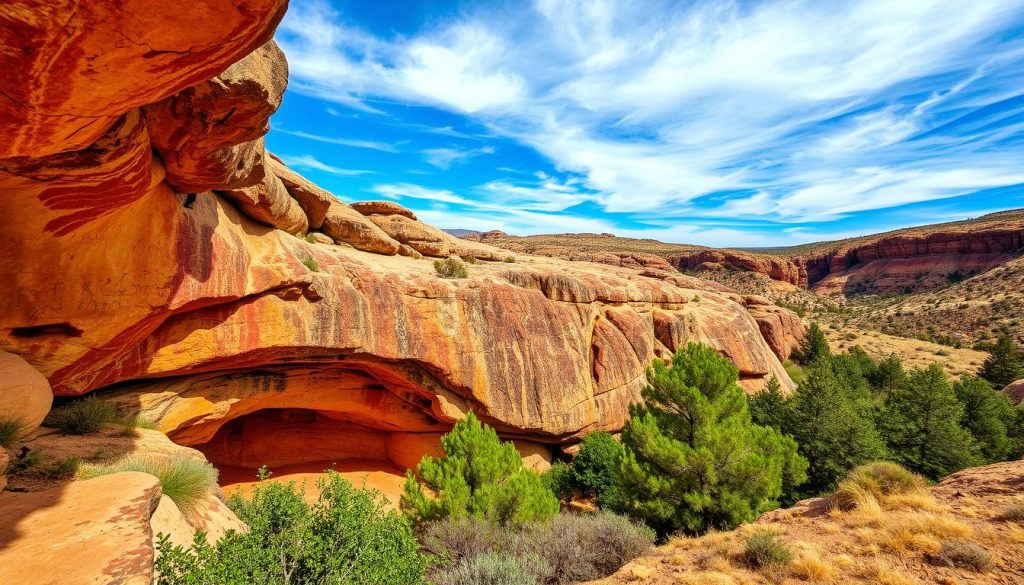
697	456
346	537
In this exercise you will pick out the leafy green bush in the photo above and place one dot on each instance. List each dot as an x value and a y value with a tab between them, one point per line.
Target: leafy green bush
596	469
559	479
450	268
569	548
185	480
765	549
345	538
694	419
479	476
11	430
879	479
81	417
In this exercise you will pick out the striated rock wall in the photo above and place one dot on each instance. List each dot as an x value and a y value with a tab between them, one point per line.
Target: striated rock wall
910	260
152	255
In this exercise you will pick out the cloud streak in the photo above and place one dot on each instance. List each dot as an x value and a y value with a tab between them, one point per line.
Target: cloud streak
788	111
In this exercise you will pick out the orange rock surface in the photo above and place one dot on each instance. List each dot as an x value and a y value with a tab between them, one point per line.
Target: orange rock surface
251	344
94	531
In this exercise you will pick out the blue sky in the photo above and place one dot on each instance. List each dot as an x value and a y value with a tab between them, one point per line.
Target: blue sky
721	123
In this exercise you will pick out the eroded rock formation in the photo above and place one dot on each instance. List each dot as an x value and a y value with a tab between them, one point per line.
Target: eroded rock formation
154	258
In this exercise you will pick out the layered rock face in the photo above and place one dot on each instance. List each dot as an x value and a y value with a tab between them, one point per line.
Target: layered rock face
907	261
154	251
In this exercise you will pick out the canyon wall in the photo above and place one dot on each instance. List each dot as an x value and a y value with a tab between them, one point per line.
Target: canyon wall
908	261
158	255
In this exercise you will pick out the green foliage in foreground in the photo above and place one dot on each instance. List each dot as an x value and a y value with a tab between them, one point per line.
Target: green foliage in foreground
185	480
345	538
693	459
479	476
990	417
832	421
81	417
921	423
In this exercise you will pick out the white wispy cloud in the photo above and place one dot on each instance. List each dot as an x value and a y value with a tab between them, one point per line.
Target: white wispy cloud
308	161
354	143
808	110
444	158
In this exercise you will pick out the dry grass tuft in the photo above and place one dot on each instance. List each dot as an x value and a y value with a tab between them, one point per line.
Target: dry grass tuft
1014	513
884	574
875	481
810	566
964	554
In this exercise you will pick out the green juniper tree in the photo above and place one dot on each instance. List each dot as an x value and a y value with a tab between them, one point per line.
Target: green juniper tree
833	422
921	423
813	346
1003	365
989	416
693	460
887	376
769	408
595	469
479	476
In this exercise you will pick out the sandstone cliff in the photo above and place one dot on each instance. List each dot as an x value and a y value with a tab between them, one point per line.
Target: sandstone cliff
158	253
906	260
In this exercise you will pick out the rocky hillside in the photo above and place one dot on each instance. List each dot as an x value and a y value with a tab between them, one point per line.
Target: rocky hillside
921	537
160	256
907	260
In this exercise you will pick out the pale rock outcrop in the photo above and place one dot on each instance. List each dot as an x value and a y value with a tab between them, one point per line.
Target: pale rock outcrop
269	202
92	531
25	394
210	136
1015	390
313	200
73	68
347	226
382	208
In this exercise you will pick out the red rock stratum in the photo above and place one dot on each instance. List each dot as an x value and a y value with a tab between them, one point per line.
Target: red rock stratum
156	252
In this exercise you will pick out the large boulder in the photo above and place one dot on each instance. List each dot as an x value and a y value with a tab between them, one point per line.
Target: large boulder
210	135
382	208
313	200
270	203
1015	390
25	394
347	226
72	68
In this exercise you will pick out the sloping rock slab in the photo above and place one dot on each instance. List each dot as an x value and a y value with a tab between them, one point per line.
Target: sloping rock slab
93	531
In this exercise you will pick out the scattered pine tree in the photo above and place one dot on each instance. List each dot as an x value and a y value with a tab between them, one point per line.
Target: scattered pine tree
693	460
479	476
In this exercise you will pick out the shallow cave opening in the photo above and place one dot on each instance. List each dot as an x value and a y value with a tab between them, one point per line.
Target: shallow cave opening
300	443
